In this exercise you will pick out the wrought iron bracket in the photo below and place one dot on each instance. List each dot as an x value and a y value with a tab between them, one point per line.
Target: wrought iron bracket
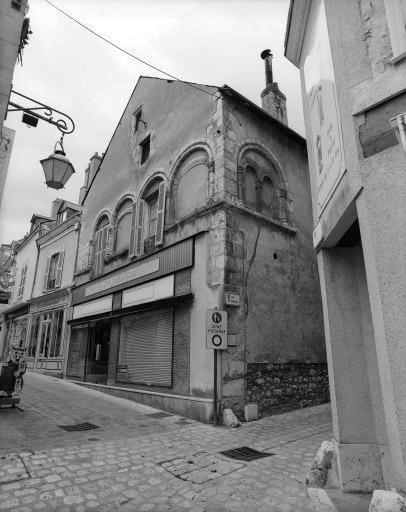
62	121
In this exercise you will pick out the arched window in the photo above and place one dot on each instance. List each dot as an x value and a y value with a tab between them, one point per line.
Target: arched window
123	225
101	239
191	183
268	197
250	188
149	218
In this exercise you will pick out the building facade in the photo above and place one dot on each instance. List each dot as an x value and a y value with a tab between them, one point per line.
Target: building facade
14	27
202	200
351	57
16	316
50	301
43	266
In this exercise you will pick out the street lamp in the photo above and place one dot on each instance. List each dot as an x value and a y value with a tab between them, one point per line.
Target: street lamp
57	167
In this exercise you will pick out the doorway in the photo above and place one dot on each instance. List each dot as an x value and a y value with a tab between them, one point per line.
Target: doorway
89	351
98	352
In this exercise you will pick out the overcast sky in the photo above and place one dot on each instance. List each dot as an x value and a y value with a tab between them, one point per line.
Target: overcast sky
213	42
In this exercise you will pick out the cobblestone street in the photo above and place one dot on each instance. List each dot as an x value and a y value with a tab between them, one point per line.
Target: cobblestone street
136	461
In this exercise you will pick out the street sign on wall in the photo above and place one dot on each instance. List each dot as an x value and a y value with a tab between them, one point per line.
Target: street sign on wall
216	335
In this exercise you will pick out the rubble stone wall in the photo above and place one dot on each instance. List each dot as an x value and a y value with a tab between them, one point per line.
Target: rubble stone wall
272	385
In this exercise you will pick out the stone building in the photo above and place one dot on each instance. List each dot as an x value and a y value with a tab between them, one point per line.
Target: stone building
16	316
201	200
50	299
351	57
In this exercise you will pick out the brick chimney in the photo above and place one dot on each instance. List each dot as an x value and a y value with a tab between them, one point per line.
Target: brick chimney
90	172
56	204
273	100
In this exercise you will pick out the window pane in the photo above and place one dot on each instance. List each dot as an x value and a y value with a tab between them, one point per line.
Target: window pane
250	193
32	346
268	197
55	349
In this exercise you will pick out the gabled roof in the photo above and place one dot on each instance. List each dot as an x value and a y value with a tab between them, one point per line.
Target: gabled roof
232	93
40	217
211	89
72	206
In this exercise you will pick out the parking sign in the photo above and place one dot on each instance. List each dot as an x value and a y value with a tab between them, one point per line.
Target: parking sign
216	335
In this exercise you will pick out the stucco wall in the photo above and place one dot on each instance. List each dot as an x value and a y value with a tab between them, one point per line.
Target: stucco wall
176	116
26	255
68	243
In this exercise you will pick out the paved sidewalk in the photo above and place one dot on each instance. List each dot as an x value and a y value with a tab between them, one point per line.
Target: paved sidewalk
138	462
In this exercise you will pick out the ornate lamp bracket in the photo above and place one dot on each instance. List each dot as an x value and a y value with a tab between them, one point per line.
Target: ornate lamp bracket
62	121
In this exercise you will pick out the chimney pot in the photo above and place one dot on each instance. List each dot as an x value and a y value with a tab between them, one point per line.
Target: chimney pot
273	100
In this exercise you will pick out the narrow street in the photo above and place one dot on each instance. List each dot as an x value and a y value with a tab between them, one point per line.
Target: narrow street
140	461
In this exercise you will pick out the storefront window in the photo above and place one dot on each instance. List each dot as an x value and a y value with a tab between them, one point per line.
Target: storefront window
50	333
56	344
32	345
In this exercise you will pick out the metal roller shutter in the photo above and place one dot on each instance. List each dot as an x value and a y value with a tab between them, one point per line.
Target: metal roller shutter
146	347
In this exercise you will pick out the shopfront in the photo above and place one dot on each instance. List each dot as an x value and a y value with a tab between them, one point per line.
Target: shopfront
123	329
46	340
17	324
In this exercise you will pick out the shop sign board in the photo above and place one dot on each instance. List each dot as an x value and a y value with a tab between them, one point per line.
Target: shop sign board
216	334
326	133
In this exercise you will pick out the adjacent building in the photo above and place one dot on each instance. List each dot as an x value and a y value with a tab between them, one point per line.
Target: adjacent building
201	200
50	300
351	57
39	307
14	27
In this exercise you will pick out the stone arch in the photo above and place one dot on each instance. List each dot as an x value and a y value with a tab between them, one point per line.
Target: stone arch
123	209
204	156
272	172
99	217
157	175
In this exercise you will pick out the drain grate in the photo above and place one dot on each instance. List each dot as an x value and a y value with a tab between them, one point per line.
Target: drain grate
245	453
159	415
80	427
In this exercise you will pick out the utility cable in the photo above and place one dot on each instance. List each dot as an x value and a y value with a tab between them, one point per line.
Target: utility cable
125	51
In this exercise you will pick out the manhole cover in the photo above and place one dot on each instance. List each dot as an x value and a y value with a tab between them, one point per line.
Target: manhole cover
80	427
199	467
245	453
159	415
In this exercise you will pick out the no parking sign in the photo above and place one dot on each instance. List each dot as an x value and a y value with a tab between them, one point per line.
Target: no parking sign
216	335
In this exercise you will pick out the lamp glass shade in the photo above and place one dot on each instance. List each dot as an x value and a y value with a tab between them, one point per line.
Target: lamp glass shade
57	169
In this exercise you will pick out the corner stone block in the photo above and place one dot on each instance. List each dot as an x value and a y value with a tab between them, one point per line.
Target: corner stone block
387	501
321	467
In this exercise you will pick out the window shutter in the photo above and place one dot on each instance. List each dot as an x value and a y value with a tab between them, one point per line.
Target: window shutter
109	242
89	254
59	269
132	232
46	274
139	229
159	235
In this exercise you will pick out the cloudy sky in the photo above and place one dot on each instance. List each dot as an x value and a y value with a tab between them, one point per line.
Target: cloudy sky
206	41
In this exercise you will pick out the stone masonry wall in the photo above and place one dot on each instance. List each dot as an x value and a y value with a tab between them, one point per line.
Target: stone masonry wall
273	385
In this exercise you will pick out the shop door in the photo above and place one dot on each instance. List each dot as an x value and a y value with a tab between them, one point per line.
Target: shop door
77	351
98	352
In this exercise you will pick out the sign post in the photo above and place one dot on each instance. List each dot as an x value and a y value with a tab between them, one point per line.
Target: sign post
216	339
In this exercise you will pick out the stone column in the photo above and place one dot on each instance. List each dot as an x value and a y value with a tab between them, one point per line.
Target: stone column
355	392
